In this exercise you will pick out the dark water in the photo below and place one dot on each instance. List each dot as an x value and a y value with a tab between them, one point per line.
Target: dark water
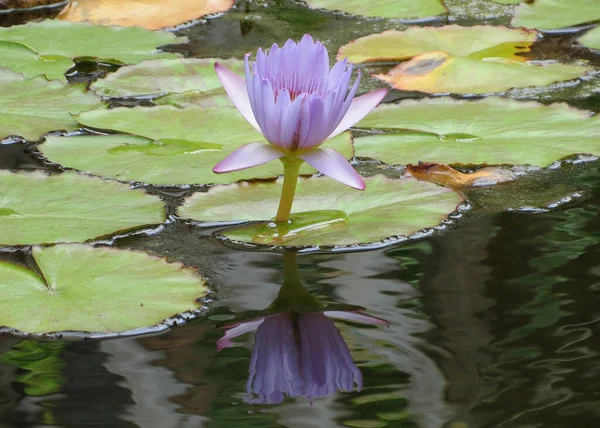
494	323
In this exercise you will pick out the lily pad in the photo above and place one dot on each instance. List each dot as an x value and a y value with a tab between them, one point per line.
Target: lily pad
36	208
489	131
387	208
165	76
169	146
383	8
24	60
150	14
32	107
216	98
117	45
591	39
454	59
94	290
553	14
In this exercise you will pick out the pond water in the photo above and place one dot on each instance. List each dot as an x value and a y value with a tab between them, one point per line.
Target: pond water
494	322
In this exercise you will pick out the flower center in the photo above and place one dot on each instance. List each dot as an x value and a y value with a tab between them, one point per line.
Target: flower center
297	84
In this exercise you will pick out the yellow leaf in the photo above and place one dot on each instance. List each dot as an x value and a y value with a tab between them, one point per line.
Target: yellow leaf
150	14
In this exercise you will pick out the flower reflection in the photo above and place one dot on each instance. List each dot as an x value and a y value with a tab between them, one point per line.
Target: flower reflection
298	350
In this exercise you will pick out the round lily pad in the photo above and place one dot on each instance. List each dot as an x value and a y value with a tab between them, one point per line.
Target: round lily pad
489	131
32	107
455	59
118	45
383	8
165	76
177	146
591	39
24	60
325	212
36	208
152	14
553	14
94	290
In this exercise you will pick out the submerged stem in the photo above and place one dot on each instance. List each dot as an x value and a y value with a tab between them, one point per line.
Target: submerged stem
291	168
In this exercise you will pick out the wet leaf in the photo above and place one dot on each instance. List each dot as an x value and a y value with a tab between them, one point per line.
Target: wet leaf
445	175
70	208
96	290
552	14
21	59
180	146
591	39
76	40
165	76
383	8
150	14
489	131
340	216
454	59
33	107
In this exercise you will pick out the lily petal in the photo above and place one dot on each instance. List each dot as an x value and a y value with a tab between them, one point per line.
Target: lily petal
334	165
236	89
357	317
242	328
247	156
359	108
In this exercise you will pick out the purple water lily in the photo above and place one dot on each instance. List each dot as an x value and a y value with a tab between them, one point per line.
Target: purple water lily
299	354
297	102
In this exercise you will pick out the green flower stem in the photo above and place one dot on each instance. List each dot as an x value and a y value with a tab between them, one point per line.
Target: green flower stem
291	168
293	296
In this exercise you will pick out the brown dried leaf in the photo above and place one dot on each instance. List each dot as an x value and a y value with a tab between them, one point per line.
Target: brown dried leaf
150	14
440	173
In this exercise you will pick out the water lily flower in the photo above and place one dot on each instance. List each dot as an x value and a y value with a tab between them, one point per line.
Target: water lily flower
299	354
298	350
297	102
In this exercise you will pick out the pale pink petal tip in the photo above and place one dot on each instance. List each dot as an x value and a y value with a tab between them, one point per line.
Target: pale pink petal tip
235	86
334	165
247	156
238	330
359	108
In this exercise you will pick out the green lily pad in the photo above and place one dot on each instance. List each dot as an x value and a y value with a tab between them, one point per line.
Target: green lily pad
454	59
165	76
387	208
36	208
120	45
32	107
24	60
94	290
215	98
591	39
180	146
489	131
383	8
553	14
